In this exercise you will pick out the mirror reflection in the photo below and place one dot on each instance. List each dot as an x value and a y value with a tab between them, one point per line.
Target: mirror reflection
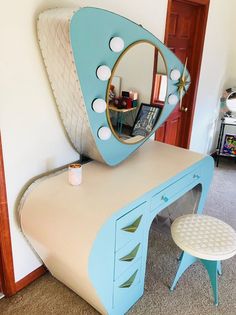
231	102
136	92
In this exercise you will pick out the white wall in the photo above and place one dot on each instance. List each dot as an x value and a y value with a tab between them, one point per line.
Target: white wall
136	70
32	135
217	74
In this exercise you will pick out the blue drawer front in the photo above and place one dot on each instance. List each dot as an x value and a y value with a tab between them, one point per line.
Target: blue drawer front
127	256
130	226
163	197
129	287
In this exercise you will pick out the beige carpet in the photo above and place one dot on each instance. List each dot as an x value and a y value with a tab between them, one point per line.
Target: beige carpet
192	295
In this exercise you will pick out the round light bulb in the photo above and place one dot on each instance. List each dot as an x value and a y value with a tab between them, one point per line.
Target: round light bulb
104	133
103	73
99	105
173	99
175	74
117	44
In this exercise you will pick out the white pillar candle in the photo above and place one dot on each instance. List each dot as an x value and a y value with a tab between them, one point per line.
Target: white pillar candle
75	174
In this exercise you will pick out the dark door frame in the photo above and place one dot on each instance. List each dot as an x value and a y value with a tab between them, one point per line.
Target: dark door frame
187	120
7	278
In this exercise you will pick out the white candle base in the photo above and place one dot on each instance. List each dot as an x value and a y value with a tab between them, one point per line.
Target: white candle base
75	174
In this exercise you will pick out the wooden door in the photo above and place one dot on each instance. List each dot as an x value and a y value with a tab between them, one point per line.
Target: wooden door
1	271
185	32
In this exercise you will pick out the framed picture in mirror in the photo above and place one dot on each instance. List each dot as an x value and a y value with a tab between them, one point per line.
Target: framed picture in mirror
229	146
146	119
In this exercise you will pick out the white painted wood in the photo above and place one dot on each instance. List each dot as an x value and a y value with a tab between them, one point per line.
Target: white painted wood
67	215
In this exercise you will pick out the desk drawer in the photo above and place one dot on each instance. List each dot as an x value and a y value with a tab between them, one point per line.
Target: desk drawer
164	196
130	226
128	286
127	256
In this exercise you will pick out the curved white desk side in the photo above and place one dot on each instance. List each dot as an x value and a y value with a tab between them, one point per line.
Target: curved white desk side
77	231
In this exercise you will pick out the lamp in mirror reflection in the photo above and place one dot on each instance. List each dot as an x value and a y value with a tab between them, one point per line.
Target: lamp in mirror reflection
99	105
173	99
104	133
117	44
103	73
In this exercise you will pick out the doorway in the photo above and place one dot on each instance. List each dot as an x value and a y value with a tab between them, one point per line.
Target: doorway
185	32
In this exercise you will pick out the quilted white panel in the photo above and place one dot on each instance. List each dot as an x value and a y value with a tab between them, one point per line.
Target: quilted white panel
204	237
54	39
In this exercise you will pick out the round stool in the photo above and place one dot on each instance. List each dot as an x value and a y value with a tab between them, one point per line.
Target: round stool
203	238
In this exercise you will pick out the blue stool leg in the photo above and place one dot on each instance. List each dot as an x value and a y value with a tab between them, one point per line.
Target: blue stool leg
212	269
219	269
180	256
186	261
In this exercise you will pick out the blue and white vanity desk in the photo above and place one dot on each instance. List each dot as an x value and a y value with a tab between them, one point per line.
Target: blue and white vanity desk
94	237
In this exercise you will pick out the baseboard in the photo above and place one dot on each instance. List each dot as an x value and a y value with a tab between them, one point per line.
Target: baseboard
21	284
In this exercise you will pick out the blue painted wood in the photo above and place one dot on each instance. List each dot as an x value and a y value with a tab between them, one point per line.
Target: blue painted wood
211	267
123	236
122	265
219	268
103	263
90	31
186	261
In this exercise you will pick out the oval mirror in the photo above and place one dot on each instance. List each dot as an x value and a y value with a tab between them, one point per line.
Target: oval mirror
231	102
136	92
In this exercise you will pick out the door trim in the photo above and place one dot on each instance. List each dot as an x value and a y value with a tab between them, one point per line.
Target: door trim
203	5
6	259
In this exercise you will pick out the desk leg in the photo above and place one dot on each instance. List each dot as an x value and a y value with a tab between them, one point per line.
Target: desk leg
206	178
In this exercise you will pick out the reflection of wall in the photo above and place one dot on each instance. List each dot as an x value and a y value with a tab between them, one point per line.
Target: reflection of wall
136	70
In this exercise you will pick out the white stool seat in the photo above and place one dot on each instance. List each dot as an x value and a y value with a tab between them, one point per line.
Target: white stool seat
204	237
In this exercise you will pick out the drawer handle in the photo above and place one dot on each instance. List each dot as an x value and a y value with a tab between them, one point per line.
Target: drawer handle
130	281
131	255
133	227
164	198
196	176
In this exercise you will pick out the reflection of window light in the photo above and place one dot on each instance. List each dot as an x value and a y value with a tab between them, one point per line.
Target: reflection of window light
163	87
160	88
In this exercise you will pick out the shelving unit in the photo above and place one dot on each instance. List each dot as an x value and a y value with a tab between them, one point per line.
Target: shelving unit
225	121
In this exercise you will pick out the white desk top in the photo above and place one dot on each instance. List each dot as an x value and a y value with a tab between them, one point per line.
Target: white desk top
112	188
